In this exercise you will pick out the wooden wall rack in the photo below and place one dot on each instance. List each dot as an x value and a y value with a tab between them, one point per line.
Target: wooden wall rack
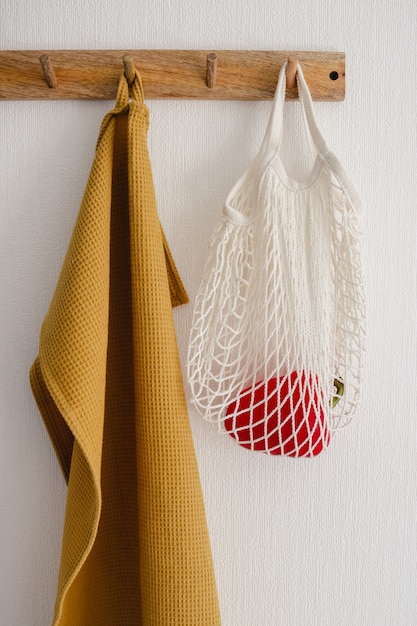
181	74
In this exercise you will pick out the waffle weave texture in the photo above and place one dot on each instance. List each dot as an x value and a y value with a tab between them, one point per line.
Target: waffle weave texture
109	387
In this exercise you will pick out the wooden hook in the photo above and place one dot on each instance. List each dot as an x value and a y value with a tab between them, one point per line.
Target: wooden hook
129	65
211	72
291	71
48	71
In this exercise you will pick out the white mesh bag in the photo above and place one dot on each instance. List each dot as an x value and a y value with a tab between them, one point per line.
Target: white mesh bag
277	338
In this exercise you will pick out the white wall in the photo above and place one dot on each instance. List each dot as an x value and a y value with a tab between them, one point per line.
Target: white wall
330	541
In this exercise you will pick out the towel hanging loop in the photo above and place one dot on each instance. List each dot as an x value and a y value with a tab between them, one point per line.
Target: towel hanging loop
48	71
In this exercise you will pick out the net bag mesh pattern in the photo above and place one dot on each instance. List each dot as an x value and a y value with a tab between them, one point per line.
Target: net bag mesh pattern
277	339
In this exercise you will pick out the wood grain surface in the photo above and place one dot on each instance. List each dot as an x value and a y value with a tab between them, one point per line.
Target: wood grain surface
181	74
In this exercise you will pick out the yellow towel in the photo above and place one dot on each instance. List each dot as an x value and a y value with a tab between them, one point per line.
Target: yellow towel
108	384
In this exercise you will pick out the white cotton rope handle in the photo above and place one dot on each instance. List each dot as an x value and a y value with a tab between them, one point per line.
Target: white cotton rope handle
271	144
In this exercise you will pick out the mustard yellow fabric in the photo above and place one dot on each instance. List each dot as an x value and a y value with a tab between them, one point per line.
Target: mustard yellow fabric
108	384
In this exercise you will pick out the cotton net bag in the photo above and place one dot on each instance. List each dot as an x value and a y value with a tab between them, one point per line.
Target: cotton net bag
277	338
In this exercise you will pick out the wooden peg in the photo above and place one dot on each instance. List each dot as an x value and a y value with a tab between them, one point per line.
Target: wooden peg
48	71
211	74
129	65
291	71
